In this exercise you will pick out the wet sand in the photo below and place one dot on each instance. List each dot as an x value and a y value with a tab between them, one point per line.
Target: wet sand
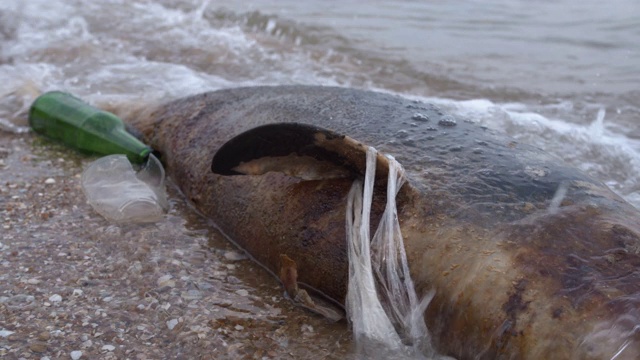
73	284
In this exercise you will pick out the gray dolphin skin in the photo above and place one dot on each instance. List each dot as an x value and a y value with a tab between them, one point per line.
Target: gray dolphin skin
529	258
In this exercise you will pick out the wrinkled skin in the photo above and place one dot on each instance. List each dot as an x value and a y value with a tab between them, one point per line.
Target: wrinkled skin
513	279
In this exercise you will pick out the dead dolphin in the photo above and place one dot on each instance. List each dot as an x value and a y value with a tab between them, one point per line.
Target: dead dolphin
520	270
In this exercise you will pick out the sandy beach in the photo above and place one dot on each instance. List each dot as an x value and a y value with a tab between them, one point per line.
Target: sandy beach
73	285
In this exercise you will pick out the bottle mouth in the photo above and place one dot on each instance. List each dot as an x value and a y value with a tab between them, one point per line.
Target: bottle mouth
144	154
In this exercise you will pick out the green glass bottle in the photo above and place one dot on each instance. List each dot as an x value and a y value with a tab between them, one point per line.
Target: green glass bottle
65	118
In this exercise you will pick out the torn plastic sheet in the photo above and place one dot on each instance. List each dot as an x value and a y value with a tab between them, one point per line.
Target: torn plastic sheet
382	304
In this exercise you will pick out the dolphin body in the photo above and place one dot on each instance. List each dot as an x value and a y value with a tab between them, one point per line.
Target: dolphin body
529	258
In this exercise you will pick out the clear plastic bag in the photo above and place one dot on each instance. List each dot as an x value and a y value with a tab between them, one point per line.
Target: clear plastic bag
382	305
120	194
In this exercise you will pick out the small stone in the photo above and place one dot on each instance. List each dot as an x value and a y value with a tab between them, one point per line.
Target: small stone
242	292
165	280
239	327
55	298
108	348
21	298
33	281
234	256
307	330
5	333
191	295
77	292
44	336
75	355
38	347
50	181
172	323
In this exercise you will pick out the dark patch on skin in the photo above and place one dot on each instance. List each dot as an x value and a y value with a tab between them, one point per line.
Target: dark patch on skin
333	196
626	239
557	313
309	236
514	306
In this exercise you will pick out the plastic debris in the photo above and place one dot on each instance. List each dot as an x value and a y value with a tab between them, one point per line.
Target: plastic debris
118	193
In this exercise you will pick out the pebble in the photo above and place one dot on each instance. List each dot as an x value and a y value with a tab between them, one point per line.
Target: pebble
108	348
172	323
75	355
234	256
165	280
305	328
55	298
6	333
21	298
50	181
242	292
38	347
191	295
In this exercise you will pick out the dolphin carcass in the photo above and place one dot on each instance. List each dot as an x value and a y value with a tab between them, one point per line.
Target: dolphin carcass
529	258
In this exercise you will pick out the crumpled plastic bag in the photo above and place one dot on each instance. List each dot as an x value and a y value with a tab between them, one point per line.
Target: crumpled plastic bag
120	194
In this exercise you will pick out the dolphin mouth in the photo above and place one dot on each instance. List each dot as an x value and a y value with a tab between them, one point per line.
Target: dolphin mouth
304	151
